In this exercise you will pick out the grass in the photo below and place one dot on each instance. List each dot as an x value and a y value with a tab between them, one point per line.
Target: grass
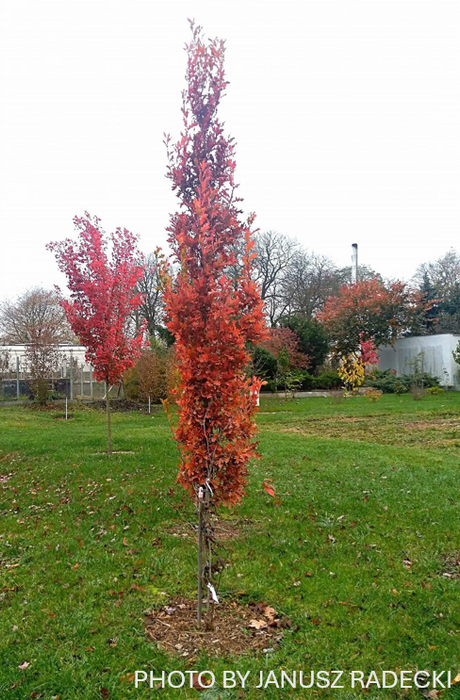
367	502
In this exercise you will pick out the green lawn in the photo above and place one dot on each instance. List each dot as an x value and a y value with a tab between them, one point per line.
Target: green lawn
369	505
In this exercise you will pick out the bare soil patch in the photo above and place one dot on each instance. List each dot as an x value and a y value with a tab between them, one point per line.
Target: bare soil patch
42	407
224	530
271	413
114	452
451	565
236	629
124	406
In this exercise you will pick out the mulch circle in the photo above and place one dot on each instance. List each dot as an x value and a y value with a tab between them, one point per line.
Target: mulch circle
237	629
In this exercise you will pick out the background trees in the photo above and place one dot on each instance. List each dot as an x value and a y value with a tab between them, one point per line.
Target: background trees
313	339
275	256
309	281
37	320
371	310
34	313
295	282
151	376
283	339
151	307
297	286
5	361
42	359
439	283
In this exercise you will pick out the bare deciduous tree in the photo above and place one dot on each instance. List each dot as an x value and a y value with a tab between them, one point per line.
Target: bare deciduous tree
443	274
34	313
5	362
275	254
152	307
365	273
294	281
308	282
43	359
439	282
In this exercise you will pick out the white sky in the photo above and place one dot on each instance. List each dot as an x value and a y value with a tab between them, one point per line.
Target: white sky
346	114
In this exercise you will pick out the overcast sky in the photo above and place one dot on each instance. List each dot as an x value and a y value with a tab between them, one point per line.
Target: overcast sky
346	115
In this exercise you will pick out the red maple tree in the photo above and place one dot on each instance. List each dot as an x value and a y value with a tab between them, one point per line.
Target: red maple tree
102	298
211	313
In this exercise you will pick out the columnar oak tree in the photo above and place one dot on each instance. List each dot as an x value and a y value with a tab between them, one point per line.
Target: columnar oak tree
102	298
211	313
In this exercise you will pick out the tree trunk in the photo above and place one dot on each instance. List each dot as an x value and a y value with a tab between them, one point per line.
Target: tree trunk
200	562
109	427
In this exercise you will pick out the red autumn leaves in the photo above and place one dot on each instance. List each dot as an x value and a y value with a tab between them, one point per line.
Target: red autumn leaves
212	313
102	295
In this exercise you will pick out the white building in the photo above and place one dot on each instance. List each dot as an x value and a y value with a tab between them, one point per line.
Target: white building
434	351
67	351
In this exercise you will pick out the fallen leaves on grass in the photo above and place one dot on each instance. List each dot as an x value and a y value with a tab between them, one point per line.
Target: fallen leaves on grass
196	682
5	477
128	678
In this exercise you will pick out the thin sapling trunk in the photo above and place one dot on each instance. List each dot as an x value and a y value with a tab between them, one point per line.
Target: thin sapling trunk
200	562
109	426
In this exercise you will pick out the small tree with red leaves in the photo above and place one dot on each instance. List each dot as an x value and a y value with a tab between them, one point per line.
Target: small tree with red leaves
283	338
102	298
211	313
368	354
